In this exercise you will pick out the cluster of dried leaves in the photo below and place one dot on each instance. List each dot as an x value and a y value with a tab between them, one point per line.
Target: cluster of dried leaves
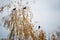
20	26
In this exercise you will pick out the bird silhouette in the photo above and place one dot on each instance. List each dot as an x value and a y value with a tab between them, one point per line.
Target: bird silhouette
38	27
14	9
24	8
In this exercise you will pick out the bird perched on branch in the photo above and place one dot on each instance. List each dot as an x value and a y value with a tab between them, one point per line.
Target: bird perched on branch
14	9
38	27
24	8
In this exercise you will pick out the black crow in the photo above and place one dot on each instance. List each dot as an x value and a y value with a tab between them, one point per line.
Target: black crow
24	8
38	27
14	9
